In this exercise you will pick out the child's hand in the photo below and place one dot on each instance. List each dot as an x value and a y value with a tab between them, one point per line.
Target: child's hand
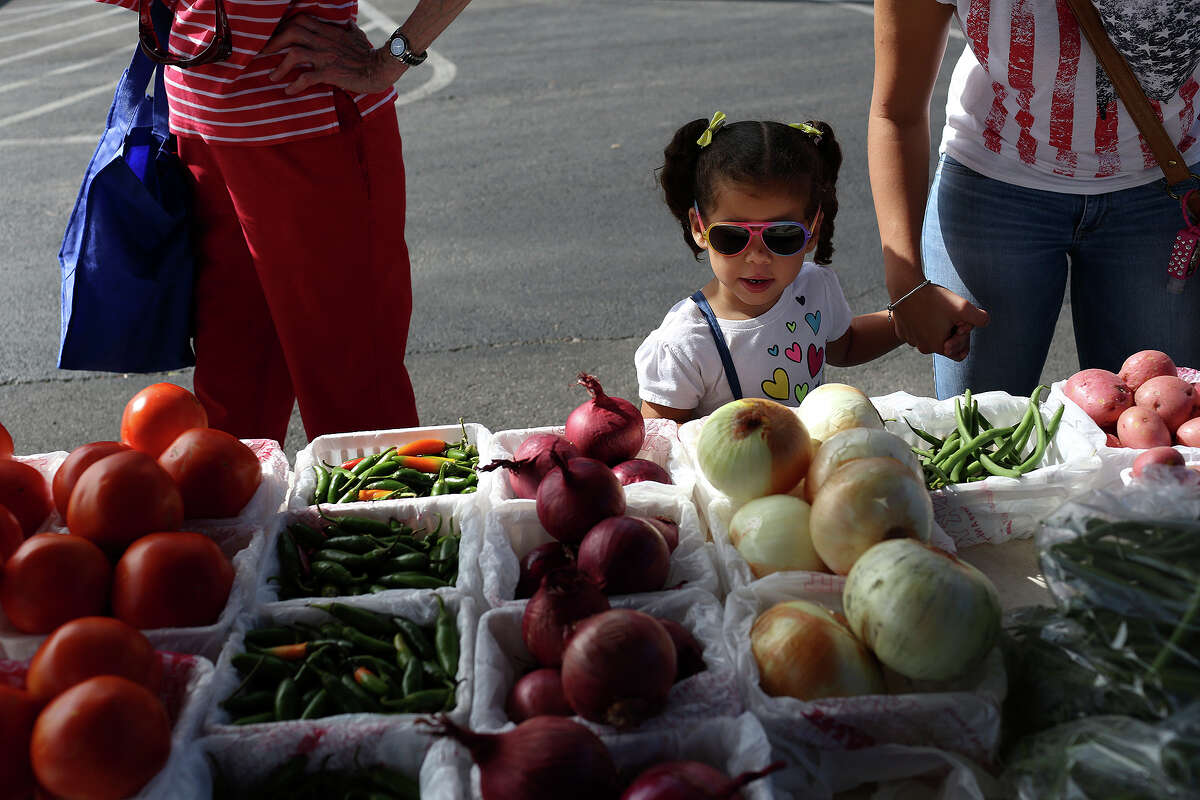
958	343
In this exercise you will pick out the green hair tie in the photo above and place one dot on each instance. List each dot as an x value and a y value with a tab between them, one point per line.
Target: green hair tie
718	119
811	130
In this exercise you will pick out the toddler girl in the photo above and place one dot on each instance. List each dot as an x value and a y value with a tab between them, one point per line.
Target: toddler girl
760	197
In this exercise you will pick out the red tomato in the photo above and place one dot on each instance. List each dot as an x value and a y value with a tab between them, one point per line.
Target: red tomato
216	473
18	710
25	493
11	534
69	471
122	497
89	646
6	443
103	739
171	580
157	414
54	578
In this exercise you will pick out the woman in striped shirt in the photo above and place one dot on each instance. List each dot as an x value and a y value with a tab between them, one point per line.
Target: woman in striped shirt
1043	178
293	142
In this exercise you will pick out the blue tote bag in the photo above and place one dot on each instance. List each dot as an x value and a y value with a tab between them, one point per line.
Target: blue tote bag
127	257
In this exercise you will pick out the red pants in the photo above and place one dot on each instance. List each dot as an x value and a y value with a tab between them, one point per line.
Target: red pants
304	291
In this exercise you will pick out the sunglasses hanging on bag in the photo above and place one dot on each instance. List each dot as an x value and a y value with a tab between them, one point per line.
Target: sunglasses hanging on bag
1185	255
218	49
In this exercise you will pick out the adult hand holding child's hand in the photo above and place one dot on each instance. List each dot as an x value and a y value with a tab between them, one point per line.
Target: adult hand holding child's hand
936	320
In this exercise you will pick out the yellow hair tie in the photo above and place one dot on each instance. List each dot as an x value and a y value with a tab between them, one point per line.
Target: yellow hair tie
811	130
718	120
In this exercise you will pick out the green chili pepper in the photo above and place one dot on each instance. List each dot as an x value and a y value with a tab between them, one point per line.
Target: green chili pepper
255	719
365	699
340	699
370	681
457	484
366	643
408	562
439	486
317	706
289	557
270	636
415	637
359	618
263	665
446	639
339	478
287	700
250	702
413	679
321	491
333	572
404	653
356	543
411	580
306	536
347	560
386	483
363	525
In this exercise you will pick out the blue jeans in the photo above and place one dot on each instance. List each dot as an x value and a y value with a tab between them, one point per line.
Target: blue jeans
1011	250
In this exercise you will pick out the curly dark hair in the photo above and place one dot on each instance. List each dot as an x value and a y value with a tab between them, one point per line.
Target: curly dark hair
754	153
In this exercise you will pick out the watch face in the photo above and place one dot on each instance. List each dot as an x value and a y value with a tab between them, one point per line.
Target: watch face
398	46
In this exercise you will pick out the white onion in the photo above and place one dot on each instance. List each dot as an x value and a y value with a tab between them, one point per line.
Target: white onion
804	651
853	443
926	614
833	407
771	533
753	447
864	502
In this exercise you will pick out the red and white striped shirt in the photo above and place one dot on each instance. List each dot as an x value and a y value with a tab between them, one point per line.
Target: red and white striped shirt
1028	104
235	101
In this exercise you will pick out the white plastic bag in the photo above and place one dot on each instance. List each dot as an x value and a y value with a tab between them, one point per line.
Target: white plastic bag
501	657
962	716
512	530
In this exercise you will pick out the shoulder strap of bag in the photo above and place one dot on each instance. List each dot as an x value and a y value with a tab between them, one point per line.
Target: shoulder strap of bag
1134	98
722	348
132	87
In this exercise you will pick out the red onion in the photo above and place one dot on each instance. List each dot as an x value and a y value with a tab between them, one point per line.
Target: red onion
541	758
625	555
537	693
575	495
565	598
669	529
636	470
537	562
689	653
690	780
618	667
532	461
608	429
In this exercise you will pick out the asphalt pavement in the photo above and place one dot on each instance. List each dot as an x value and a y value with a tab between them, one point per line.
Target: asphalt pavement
539	245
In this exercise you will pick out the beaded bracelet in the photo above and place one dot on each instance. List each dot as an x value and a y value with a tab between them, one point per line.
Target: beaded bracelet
892	305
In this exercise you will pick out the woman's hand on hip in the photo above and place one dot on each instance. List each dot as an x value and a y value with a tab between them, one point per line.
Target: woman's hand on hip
937	320
331	54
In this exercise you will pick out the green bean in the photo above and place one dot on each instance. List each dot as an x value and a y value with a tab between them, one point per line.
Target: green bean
995	469
928	437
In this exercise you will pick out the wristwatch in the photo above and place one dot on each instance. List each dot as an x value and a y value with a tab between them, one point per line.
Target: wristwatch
398	46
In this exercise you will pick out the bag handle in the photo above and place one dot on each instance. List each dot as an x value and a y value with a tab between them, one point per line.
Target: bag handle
714	327
151	36
1134	98
133	84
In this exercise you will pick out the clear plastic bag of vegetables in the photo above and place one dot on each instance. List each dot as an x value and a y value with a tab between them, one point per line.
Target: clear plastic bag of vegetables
1109	757
1124	570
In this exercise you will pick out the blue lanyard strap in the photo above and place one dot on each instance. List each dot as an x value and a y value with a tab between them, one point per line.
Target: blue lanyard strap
719	338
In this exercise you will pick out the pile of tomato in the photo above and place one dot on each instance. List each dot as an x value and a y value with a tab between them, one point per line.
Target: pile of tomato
88	722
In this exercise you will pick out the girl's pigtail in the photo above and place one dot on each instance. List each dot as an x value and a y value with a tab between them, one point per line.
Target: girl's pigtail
824	187
677	176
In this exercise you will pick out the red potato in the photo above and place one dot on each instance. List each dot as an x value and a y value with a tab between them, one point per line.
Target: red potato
1140	428
1101	394
1171	397
1111	440
1167	456
1188	434
1144	365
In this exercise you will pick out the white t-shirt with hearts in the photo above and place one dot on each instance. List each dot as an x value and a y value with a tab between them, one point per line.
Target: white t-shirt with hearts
779	354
